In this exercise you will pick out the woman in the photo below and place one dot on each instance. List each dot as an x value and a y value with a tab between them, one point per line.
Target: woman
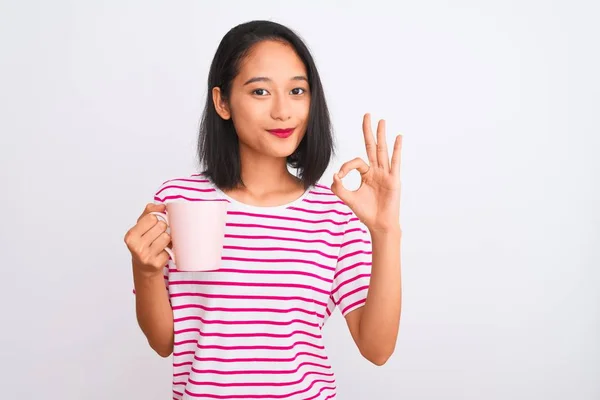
294	249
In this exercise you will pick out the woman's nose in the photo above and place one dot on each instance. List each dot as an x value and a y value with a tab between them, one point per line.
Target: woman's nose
281	108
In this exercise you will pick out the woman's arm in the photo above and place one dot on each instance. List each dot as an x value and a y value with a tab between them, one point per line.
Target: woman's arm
146	241
376	203
153	310
374	327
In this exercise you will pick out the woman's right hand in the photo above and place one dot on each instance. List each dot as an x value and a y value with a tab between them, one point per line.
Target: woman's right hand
147	241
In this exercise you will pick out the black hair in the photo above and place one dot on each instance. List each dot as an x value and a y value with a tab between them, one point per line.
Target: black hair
218	146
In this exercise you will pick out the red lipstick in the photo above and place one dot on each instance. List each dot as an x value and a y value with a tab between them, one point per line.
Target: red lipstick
282	133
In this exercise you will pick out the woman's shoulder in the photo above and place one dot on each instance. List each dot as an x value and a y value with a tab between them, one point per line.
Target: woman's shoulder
320	188
194	186
321	194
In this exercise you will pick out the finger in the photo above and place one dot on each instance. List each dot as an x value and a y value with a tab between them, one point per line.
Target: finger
159	244
154	232
337	187
382	150
143	225
357	163
397	155
370	144
161	260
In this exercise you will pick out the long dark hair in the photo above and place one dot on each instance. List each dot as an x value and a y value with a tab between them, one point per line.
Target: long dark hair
218	147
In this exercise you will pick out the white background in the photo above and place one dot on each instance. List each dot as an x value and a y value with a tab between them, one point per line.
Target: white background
498	101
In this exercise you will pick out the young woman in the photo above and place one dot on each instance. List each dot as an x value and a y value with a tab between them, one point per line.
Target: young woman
294	249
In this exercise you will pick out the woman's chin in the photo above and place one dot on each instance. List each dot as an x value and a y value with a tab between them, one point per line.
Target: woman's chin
282	150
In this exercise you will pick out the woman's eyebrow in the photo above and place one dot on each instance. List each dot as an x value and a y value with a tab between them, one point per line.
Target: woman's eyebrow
266	79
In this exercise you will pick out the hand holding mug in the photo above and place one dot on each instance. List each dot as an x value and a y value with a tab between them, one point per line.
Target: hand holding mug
148	240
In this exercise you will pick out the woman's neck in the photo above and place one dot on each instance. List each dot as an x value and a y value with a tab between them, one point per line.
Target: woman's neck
266	182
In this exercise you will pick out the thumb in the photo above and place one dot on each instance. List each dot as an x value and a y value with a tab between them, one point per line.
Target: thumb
152	207
337	187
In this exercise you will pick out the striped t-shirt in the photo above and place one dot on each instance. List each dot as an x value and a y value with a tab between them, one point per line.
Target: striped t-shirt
252	329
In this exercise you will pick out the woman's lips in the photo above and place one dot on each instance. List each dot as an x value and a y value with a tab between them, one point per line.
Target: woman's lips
282	133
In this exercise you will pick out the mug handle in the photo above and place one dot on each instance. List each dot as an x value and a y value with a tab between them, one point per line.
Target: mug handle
164	217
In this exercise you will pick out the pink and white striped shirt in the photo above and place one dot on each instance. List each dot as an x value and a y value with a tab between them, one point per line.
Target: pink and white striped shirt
252	329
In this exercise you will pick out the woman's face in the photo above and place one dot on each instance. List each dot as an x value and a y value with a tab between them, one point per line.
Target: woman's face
270	92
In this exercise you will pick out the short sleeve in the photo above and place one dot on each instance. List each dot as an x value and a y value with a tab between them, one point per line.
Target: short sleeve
353	267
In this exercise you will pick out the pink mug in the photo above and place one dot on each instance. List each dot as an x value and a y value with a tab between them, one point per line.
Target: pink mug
197	231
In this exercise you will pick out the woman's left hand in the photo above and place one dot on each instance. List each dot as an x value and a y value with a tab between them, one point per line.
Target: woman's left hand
377	201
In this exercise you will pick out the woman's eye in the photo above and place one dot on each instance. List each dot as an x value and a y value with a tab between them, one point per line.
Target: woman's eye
295	91
260	92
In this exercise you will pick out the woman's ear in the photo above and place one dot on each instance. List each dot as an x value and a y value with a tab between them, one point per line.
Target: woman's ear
221	105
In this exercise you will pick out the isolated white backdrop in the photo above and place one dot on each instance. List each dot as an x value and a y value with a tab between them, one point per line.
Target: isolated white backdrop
498	102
